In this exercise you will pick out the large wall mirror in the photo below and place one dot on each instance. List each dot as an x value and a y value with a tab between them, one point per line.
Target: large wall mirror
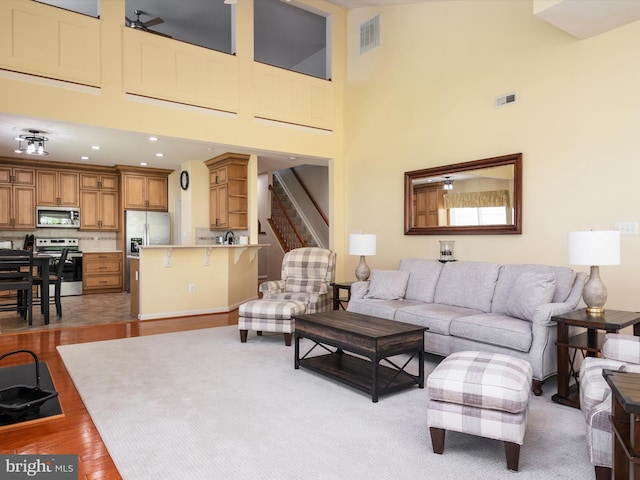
482	197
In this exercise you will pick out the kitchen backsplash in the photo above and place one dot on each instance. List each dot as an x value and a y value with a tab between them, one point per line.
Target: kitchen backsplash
204	236
88	241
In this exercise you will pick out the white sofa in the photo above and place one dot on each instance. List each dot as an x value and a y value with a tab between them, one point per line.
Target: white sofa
476	306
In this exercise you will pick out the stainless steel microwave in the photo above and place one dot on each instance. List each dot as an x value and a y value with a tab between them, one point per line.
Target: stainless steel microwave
58	217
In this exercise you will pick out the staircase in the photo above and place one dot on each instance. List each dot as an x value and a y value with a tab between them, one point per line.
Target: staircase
287	225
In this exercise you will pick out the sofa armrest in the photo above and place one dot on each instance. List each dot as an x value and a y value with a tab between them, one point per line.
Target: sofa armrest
359	289
543	313
624	348
275	286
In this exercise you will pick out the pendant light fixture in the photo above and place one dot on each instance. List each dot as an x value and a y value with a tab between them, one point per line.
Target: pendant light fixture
34	143
448	183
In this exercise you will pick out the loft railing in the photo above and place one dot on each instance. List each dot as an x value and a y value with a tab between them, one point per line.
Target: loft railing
284	228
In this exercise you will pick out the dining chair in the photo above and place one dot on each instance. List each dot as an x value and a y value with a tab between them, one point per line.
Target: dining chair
54	279
16	274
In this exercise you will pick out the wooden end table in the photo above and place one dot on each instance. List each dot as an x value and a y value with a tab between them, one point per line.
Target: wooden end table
625	414
588	342
338	301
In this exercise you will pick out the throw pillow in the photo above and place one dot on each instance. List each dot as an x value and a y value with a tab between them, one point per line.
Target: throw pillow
387	284
528	292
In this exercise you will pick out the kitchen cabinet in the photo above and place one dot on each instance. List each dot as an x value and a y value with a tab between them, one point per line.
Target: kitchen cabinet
99	202
228	186
17	198
144	188
57	188
102	272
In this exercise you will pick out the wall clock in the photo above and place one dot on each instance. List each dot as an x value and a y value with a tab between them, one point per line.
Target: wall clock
184	179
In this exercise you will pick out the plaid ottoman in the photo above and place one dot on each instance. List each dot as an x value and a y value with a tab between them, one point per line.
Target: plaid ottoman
269	316
484	394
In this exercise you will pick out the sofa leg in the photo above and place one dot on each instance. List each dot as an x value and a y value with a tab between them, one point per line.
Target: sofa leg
437	439
243	336
287	339
259	332
512	451
603	473
537	387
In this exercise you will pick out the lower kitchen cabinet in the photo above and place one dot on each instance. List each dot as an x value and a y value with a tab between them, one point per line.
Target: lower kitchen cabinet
102	272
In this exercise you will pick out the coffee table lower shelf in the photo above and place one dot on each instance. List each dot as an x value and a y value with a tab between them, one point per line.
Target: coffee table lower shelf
358	373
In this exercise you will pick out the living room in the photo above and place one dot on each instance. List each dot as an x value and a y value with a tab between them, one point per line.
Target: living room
426	97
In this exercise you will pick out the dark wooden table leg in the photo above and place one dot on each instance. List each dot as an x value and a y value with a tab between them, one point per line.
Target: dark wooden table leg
563	361
296	353
374	379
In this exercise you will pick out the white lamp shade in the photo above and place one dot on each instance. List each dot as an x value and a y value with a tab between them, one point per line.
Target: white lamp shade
594	248
362	244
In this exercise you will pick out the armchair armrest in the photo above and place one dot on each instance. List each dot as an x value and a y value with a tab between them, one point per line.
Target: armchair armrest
624	348
275	286
359	289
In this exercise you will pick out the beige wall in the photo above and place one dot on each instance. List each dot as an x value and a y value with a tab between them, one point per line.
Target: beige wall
425	98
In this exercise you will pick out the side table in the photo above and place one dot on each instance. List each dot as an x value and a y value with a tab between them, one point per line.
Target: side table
625	414
588	342
339	302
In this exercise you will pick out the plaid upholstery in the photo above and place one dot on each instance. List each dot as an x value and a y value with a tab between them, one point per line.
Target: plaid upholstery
484	380
620	352
479	393
269	315
306	275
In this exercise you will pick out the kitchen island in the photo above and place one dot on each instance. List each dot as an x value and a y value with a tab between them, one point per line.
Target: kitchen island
181	280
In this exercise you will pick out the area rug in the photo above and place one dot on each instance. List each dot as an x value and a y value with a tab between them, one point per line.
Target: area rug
200	404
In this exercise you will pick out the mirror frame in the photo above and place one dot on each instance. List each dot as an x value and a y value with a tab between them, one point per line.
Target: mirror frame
514	159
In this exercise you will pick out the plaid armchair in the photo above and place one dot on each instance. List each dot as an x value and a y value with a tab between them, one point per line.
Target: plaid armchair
619	352
306	276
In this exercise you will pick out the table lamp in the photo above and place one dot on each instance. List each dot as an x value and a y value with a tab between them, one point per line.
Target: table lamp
362	244
594	248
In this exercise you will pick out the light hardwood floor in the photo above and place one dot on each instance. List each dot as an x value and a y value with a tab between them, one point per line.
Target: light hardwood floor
85	318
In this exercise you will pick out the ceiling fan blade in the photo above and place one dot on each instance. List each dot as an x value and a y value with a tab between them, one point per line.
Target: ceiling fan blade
153	21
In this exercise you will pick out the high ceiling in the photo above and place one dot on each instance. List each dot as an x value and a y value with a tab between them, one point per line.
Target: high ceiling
70	142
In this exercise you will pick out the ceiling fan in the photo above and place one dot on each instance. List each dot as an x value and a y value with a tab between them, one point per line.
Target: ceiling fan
140	25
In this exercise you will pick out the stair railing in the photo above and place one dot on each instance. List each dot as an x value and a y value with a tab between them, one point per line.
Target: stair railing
284	228
311	197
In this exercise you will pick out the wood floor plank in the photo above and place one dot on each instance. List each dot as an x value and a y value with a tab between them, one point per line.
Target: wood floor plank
75	433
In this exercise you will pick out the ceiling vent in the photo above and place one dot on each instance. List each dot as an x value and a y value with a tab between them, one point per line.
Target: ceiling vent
370	34
507	99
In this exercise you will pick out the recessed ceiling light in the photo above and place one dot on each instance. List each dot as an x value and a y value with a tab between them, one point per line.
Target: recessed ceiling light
292	158
84	158
95	147
153	139
144	164
159	154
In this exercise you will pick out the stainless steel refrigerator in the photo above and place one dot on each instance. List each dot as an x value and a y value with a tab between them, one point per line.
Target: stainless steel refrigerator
144	228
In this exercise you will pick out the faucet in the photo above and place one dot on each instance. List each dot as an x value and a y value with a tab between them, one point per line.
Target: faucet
229	240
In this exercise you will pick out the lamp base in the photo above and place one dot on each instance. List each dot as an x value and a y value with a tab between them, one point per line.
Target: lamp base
362	270
594	293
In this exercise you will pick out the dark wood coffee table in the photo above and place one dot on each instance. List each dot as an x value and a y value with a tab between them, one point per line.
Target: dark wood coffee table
371	339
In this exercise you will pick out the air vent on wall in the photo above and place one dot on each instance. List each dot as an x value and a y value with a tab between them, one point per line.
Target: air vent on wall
370	34
505	99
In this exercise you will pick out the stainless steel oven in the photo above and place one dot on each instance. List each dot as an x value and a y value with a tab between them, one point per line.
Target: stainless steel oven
72	270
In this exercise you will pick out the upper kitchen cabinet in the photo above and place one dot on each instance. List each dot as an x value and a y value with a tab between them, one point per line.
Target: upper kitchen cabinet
17	198
99	201
228	199
144	188
58	188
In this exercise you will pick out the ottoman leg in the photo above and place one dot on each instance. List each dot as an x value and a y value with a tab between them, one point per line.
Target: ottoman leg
259	332
243	336
437	439
512	451
287	339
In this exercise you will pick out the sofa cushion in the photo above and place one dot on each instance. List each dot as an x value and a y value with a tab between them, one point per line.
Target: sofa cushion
564	277
378	308
529	291
494	329
423	278
467	284
435	316
387	284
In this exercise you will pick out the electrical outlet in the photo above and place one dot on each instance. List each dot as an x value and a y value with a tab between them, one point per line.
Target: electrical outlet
627	228
192	287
